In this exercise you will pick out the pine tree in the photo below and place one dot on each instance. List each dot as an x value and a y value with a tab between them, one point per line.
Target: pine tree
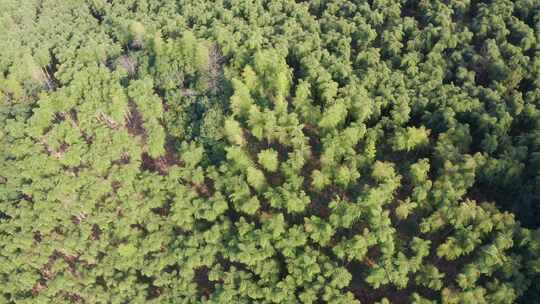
268	159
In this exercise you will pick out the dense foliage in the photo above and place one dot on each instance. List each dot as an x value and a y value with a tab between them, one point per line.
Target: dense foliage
284	151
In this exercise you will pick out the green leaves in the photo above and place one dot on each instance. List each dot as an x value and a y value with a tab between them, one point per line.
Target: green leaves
319	180
318	230
255	178
178	59
410	138
150	108
241	101
268	159
234	132
419	171
377	277
251	206
333	116
274	74
156	139
127	250
430	277
269	152
355	248
420	247
404	209
382	171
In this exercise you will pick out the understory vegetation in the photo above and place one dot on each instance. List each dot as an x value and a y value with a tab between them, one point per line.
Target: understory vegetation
250	151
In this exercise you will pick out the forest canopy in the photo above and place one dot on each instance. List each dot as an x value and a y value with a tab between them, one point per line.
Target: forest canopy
250	151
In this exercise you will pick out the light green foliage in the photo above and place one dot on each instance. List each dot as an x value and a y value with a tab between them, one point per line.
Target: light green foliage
430	277
234	132
251	205
319	180
404	209
274	74
178	59
333	116
383	171
255	178
241	101
137	30
419	171
268	159
410	139
318	230
269	151
127	251
355	248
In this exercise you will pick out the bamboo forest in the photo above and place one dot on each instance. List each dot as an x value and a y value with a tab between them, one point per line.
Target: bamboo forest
284	151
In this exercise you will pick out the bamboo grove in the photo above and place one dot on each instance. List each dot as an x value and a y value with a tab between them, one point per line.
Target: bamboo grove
253	151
